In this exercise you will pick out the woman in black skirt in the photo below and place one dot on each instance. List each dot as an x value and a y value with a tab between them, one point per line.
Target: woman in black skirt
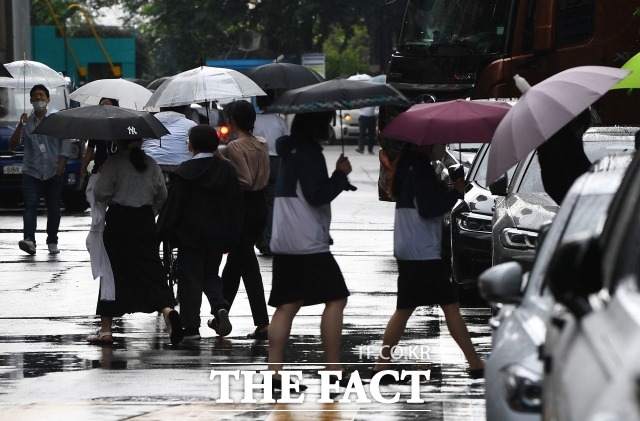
304	270
422	278
133	186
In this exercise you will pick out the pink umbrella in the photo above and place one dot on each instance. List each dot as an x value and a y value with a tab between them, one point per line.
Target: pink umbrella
544	109
458	121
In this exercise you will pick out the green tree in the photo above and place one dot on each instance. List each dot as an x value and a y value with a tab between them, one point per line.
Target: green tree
178	35
347	56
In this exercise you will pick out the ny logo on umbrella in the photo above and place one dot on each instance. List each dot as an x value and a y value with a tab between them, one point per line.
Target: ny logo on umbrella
132	130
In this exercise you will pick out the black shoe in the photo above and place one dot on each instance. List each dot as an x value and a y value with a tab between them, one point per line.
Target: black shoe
359	150
221	323
177	333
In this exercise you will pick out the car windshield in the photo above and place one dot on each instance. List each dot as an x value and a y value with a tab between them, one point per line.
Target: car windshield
532	180
586	217
14	102
478	25
481	161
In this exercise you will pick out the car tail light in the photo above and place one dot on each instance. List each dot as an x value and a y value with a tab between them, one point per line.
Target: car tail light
223	131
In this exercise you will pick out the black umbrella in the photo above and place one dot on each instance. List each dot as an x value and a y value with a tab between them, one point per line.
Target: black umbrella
337	94
101	122
4	72
284	76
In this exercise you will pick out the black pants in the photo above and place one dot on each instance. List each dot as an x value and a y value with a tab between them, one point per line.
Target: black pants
367	126
242	260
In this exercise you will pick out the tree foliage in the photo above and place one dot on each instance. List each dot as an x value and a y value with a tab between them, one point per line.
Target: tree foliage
178	35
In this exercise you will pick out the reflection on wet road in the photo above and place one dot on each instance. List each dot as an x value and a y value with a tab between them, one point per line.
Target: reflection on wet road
48	371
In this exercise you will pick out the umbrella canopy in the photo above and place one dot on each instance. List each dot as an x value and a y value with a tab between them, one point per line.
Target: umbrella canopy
203	84
632	80
458	121
27	73
4	72
544	109
101	122
284	76
129	95
336	94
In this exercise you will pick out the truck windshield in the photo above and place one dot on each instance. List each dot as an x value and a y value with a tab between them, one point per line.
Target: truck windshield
476	25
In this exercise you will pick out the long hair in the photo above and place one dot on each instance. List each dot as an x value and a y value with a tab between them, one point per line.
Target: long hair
243	113
136	154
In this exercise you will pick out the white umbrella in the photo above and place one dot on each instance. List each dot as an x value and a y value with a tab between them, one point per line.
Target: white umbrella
203	84
27	73
544	109
129	95
360	76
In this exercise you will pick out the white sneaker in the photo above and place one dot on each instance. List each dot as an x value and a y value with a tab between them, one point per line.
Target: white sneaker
53	248
28	246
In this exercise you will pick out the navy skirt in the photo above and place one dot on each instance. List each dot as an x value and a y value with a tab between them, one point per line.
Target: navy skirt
423	283
311	278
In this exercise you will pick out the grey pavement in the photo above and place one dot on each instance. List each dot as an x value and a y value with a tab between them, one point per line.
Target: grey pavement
49	372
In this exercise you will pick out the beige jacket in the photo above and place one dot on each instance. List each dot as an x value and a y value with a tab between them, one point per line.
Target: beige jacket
250	158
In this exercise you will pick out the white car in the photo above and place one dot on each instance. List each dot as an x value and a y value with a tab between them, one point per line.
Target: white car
592	369
514	370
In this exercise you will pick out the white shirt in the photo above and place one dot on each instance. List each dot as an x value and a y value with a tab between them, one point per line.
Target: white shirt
271	127
170	149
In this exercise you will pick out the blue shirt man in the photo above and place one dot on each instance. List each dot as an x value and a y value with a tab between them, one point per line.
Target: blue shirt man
44	161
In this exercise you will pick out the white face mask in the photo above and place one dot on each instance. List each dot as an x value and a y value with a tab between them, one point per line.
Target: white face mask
40	105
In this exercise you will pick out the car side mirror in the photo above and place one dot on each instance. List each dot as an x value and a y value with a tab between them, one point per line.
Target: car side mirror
502	284
500	186
575	272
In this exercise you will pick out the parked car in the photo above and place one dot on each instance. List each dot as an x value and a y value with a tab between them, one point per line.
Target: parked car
514	371
525	206
346	127
13	102
470	234
592	340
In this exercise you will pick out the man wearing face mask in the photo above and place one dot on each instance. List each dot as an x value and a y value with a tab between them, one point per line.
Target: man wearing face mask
43	164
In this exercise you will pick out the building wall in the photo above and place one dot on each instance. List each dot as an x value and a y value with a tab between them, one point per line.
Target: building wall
49	48
15	36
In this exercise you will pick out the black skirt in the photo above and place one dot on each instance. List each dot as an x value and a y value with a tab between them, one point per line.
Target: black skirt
423	283
132	246
311	278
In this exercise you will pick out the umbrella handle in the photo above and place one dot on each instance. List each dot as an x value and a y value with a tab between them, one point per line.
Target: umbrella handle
24	84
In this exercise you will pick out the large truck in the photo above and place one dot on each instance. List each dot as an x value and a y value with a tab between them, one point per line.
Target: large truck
473	48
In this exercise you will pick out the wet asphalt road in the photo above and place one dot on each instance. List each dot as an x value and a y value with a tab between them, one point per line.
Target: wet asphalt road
48	371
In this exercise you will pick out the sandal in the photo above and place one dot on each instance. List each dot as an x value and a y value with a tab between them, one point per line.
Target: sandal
100	337
260	334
